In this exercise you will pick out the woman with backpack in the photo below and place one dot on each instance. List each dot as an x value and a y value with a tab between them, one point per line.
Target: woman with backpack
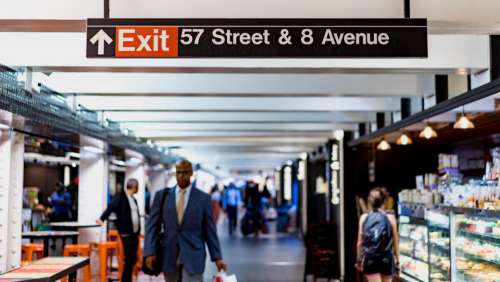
378	241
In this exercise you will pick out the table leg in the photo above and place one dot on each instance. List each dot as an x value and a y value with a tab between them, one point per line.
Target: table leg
72	276
46	243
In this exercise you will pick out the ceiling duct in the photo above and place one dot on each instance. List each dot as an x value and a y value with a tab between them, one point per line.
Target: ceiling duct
49	107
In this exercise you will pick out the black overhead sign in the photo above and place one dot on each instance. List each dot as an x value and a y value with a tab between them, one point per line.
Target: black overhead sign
256	38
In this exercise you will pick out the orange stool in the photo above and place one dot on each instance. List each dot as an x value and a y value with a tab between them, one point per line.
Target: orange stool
114	236
138	264
104	249
30	249
79	250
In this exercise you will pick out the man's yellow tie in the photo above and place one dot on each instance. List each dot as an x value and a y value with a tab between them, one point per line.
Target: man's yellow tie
180	205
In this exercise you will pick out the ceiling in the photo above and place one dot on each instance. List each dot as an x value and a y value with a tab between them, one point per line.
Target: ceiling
245	115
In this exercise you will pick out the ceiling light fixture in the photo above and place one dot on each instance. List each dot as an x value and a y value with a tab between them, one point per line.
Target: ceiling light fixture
383	145
463	122
428	133
404	140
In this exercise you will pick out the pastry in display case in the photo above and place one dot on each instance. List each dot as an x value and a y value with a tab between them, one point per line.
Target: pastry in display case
477	245
438	224
413	247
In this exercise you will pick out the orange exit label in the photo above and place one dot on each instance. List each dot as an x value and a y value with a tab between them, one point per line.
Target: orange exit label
146	41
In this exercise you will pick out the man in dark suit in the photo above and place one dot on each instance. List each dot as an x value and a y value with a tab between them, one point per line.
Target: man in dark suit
188	226
128	223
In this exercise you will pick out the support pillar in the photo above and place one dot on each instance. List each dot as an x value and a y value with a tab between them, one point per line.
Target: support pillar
92	190
11	197
158	180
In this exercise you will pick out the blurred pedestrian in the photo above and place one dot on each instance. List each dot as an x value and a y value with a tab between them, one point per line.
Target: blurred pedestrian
215	195
128	223
232	203
61	203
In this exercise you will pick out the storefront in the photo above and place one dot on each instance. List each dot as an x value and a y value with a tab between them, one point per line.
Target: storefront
441	167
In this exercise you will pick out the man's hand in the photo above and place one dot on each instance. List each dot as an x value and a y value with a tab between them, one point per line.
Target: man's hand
221	265
150	262
99	222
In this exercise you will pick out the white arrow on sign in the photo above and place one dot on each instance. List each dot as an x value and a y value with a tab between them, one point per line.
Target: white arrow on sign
101	37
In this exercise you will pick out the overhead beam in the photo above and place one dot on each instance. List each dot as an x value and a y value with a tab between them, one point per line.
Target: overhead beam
42	25
236	117
228	85
270	126
232	133
241	104
245	139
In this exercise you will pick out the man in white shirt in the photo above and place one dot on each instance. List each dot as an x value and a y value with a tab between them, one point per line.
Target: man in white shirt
128	223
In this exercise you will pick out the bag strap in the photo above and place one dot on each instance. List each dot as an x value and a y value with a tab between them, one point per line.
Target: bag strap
162	203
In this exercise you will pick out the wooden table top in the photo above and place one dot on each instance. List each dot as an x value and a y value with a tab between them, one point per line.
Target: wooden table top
45	270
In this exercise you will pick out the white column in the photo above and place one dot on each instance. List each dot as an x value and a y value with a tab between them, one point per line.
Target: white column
136	169
92	192
4	196
158	180
11	195
15	199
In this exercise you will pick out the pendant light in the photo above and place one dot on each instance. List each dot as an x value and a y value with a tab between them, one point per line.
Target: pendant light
463	122
383	145
428	133
404	140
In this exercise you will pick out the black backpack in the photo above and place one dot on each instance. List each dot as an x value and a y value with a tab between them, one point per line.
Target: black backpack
377	235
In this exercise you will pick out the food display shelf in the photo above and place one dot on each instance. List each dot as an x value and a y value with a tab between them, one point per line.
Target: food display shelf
477	245
482	236
416	270
440	248
438	226
470	256
423	260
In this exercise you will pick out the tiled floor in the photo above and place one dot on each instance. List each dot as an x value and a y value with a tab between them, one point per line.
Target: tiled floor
269	258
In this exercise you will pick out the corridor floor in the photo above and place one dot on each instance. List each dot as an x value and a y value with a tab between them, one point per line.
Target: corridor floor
269	258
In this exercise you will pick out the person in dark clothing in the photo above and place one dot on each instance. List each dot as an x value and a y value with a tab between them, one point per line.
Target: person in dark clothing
378	241
61	203
253	204
232	199
128	223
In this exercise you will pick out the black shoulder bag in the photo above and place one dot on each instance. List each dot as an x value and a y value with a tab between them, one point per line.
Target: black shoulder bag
157	268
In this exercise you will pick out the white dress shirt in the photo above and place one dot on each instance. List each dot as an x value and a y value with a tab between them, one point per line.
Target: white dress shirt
134	212
186	196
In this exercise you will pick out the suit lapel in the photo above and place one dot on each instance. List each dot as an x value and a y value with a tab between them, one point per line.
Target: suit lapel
187	211
172	206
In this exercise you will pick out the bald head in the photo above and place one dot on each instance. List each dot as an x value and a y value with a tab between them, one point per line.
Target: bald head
184	171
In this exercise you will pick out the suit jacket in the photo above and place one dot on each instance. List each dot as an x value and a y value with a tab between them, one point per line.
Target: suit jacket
185	240
121	207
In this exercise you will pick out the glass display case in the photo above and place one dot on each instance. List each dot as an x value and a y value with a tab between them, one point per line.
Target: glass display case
476	244
438	224
413	245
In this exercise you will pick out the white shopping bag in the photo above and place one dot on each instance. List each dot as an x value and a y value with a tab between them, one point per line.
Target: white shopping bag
223	277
